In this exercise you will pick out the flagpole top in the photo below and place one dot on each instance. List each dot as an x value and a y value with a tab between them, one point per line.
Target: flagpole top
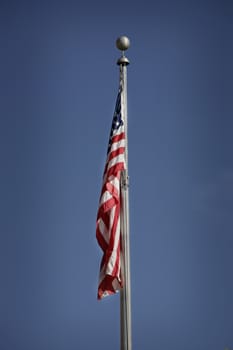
123	43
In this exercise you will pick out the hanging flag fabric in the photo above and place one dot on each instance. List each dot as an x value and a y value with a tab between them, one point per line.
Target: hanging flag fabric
108	217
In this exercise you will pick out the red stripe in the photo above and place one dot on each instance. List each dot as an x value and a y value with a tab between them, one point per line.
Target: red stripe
118	137
113	154
113	238
107	286
114	226
105	208
108	187
115	271
116	153
117	168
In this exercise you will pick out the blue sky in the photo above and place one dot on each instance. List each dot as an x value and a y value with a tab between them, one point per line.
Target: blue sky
58	87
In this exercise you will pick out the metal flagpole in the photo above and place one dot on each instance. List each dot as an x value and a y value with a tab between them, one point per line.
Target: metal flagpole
122	44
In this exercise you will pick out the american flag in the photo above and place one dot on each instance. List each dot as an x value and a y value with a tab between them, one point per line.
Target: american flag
108	217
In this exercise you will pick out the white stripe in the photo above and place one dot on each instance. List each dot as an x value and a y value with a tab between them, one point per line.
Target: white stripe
114	181
103	229
118	159
113	258
117	144
105	197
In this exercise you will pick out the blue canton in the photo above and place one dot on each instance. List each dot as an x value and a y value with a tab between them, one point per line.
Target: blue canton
117	121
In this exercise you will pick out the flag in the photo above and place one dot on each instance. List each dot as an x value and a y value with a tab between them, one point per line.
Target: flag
108	217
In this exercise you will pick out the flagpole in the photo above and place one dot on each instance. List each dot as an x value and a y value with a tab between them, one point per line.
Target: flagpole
123	44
